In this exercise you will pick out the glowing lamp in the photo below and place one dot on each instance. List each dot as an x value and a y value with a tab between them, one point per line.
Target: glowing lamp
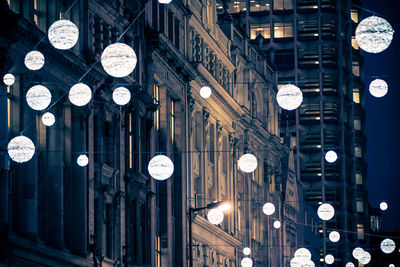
357	252
161	167
121	96
303	255
82	160
391	265
9	79
334	236
63	34
277	224
383	206
269	208
205	92
246	251
34	60
374	34
289	97
325	212
388	246
331	156
246	262
295	263
329	259
48	119
378	88
225	207
80	94
309	263
215	216
349	264
118	60
21	149
165	2
38	97
365	258
247	163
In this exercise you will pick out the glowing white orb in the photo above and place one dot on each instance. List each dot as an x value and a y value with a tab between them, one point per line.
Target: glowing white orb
82	160
9	79
48	119
246	251
309	263
383	206
80	94
205	92
295	263
215	216
378	88
21	149
165	2
246	262
269	208
34	60
325	212
121	96
247	163
277	224
225	207
374	34
349	264
334	236
161	167
38	97
118	60
331	156
391	265
303	255
365	258
289	97
357	252
388	246
63	34
329	259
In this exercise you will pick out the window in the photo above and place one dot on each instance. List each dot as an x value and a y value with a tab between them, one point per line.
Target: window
283	29
177	34
225	155
359	178
354	16
259	5
9	94
156	92
212	143
236	6
131	140
263	29
354	43
356	96
358	152
360	205
357	124
158	251
283	4
360	231
172	121
35	12
356	68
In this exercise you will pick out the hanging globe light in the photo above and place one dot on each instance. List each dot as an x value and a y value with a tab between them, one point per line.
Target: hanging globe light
309	263
161	167
80	94
357	252
165	2
268	208
349	264
391	265
118	60
374	34
121	96
325	212
388	246
82	160
289	97
63	34
246	251
331	156
277	224
383	206
205	92
215	216
48	119
34	60
246	262
21	149
295	262
303	255
9	79
334	236
329	259
38	97
247	163
365	258
378	88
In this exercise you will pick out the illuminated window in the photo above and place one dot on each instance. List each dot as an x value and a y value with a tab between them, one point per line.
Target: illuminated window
9	3
263	29
172	121
357	152
283	4
359	178
354	16
356	68
356	96
130	140
259	5
357	124
158	251
360	205
156	91
360	231
354	43
35	12
236	6
283	29
9	106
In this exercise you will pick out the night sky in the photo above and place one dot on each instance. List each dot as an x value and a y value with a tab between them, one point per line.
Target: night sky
383	119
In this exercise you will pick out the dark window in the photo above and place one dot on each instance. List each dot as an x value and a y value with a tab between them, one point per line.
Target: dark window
177	33
170	26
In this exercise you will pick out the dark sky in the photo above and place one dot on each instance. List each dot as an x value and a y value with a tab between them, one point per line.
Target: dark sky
383	119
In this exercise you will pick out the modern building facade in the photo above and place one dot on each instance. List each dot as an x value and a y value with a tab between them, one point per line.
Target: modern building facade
111	212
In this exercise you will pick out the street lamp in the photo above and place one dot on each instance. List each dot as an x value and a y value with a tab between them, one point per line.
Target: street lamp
221	205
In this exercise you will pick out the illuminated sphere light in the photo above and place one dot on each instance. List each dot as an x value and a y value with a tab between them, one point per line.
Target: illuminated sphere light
21	149
118	60
246	251
63	34
391	265
80	94
205	92
383	205
334	236
9	79
121	96
268	208
365	258
374	34
246	262
82	160
34	60
303	255
309	263
277	224
329	259
161	167
378	88
38	97
357	252
225	207
247	163
349	264
295	263
326	212
215	216
388	246
165	2
48	119
331	156
289	97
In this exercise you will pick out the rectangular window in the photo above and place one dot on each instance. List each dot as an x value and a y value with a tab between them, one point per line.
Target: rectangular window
263	29
35	12
259	5
177	34
360	205
357	124
354	16
225	155
212	143
283	4
131	139
360	231
172	121
283	29
356	95
236	6
158	251
354	43
358	152
359	178
9	106
170	26
156	92
356	68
